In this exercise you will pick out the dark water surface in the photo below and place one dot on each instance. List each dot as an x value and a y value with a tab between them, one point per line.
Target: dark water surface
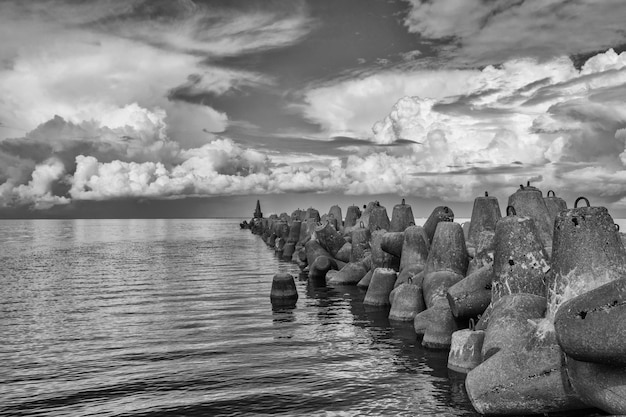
173	318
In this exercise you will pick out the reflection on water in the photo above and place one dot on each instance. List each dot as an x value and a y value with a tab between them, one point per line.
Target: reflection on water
173	318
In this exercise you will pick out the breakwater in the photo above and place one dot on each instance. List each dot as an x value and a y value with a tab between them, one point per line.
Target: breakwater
530	304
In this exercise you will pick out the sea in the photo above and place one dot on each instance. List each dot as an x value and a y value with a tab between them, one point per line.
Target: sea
172	317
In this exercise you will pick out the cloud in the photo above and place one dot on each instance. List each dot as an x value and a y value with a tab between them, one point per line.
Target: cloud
37	193
484	32
351	107
495	129
564	126
219	168
82	61
213	30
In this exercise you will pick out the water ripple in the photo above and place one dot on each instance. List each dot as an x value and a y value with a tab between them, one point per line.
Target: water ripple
173	318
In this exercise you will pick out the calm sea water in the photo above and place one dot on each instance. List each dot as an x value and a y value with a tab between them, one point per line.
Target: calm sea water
173	318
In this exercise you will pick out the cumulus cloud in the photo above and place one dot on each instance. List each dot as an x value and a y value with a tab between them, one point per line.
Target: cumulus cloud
496	31
351	107
556	123
220	167
37	193
496	128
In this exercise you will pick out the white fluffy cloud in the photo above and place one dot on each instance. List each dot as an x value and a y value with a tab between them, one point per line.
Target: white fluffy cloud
523	120
351	107
492	128
38	191
220	167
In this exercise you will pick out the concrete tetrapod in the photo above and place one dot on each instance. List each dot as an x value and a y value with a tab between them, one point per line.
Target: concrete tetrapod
401	217
470	296
320	267
378	218
365	214
332	221
592	326
437	324
352	214
465	350
485	214
554	204
312	213
447	250
407	302
483	319
361	237
411	271
415	247
329	238
283	292
350	274
510	320
335	211
365	281
313	250
297	215
484	252
380	287
438	215
528	202
392	243
529	378
436	284
380	258
520	259
292	240
282	229
416	277
599	385
344	254
587	253
306	231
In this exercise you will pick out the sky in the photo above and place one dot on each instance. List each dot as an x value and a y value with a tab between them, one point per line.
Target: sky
181	108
